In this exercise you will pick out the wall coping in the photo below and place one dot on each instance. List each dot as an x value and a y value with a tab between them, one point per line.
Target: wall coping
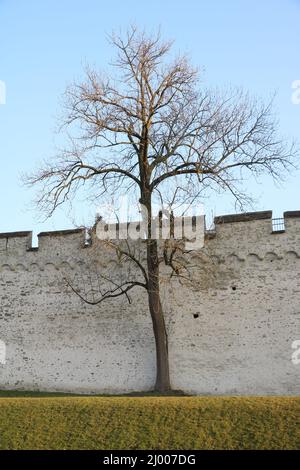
290	214
58	233
243	217
15	234
222	219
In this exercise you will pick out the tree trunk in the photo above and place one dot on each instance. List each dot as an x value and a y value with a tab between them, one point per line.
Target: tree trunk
161	340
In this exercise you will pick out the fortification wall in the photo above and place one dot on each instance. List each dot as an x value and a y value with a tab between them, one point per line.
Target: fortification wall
231	334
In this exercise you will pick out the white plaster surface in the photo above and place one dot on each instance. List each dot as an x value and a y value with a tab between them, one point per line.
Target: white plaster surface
247	316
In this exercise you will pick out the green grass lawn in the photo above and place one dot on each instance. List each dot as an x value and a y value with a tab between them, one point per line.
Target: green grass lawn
149	423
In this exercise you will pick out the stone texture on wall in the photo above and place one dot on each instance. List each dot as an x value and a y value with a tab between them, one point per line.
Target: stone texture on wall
231	334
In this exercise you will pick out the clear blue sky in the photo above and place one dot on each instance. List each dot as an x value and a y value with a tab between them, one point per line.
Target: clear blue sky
43	44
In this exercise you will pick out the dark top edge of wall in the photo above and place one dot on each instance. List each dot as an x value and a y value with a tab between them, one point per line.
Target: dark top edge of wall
222	219
290	214
57	233
15	234
244	217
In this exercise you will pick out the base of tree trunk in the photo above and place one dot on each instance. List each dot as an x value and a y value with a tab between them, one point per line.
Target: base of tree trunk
169	393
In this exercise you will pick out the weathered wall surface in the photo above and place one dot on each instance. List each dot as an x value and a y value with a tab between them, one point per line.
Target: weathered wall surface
231	335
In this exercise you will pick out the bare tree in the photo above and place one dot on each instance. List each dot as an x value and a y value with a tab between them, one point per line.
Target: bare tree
153	131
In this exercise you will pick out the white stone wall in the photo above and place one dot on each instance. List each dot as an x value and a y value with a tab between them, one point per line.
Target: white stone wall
231	334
